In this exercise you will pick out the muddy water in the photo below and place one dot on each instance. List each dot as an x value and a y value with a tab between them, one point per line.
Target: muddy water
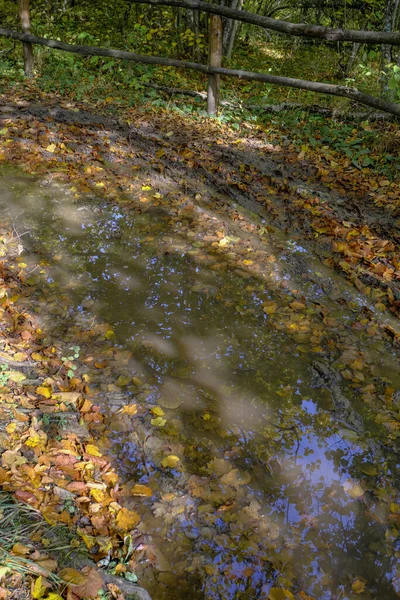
287	471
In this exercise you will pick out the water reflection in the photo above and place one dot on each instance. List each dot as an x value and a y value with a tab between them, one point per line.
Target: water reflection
273	487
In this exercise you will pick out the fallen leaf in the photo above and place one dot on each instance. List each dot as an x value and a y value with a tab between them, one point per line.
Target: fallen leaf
158	422
91	587
44	391
170	461
270	307
73	576
141	490
353	489
127	519
92	450
280	594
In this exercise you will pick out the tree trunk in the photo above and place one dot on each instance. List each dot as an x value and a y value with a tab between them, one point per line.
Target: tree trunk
387	27
351	61
230	28
215	58
27	46
232	40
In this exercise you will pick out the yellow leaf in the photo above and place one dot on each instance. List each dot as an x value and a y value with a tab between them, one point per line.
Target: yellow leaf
20	549
358	586
127	519
158	422
89	540
16	376
270	307
43	391
280	594
160	153
157	411
98	495
54	596
123	380
170	461
20	356
146	188
130	409
109	335
92	450
11	427
72	576
100	184
37	357
51	148
141	490
38	589
36	438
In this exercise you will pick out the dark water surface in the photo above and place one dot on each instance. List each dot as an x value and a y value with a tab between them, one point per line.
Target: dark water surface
283	422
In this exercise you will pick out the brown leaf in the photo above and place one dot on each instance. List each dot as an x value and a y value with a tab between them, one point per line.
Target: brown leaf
91	587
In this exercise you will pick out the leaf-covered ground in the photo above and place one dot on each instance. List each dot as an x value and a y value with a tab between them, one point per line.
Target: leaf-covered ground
55	456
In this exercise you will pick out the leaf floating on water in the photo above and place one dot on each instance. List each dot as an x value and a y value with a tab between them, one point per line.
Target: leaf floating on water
157	411
235	478
353	489
170	461
158	422
123	380
358	586
129	409
280	594
141	490
270	307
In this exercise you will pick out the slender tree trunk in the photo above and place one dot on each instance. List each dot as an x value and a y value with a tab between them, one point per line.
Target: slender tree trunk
231	28
27	46
232	39
196	49
387	27
215	58
351	61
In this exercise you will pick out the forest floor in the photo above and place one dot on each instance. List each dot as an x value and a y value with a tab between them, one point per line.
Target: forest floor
347	217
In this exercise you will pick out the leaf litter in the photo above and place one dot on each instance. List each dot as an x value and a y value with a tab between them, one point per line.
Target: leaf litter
58	439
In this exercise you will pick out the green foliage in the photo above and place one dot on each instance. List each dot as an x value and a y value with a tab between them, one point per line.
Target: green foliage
68	361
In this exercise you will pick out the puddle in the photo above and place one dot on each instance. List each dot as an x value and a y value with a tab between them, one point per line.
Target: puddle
287	473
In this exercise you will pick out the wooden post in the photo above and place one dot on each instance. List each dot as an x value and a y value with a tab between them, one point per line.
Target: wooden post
215	59
27	46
